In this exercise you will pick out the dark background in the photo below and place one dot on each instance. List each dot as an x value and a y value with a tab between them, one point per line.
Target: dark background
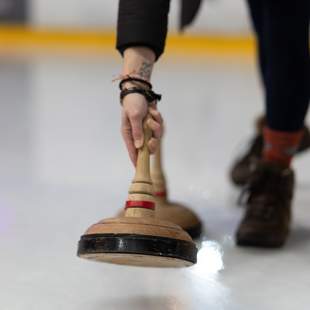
13	11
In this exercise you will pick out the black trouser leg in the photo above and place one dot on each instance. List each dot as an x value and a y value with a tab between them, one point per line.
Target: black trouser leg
256	13
282	27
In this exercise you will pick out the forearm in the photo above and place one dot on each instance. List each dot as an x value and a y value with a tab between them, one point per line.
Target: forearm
138	62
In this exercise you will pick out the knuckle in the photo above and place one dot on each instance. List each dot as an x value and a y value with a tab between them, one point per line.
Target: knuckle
137	134
157	126
150	122
124	130
135	115
156	113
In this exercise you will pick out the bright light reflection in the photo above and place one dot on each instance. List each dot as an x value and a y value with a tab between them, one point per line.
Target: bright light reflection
209	259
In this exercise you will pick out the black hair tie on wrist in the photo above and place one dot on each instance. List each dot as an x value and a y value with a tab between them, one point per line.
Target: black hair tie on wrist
134	79
149	95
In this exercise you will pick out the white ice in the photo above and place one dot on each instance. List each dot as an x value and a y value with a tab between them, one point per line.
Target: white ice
63	166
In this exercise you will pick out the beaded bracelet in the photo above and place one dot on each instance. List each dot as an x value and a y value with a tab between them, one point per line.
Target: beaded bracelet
134	79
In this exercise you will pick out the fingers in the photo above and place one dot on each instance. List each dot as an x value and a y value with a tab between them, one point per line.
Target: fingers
133	113
152	145
137	129
155	114
155	123
135	108
128	138
155	127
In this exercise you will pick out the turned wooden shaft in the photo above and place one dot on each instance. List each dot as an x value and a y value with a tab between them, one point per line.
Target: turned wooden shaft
141	189
157	174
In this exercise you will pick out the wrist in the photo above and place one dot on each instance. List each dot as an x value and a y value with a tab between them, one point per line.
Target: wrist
150	96
138	62
136	73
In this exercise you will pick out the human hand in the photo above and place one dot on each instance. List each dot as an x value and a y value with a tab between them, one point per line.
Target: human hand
134	110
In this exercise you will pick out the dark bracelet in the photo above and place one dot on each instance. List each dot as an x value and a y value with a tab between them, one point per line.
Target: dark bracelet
149	95
134	79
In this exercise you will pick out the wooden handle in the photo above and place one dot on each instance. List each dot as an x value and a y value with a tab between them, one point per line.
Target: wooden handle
140	200
143	160
157	174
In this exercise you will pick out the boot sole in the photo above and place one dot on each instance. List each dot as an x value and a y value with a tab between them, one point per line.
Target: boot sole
260	242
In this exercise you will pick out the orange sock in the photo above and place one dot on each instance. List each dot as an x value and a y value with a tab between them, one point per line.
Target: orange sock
280	146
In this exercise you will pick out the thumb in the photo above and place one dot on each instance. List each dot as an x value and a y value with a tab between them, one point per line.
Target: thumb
137	131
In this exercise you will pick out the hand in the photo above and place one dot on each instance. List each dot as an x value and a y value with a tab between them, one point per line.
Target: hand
134	110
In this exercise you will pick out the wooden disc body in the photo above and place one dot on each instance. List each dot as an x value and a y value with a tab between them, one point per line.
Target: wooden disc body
178	214
138	241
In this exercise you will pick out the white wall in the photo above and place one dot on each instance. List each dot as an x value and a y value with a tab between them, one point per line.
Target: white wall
216	16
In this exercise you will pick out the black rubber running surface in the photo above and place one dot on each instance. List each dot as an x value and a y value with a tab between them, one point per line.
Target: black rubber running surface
137	244
194	231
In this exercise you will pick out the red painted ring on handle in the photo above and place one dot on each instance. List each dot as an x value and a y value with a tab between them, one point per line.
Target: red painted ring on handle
161	194
140	204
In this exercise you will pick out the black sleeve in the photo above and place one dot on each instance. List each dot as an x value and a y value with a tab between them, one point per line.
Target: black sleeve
142	23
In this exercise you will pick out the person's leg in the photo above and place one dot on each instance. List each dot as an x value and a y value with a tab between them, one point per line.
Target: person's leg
241	171
255	8
285	35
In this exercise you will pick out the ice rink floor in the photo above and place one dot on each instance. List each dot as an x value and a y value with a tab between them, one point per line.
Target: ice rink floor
63	166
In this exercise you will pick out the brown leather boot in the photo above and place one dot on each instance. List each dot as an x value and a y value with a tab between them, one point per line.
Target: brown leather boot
266	222
242	169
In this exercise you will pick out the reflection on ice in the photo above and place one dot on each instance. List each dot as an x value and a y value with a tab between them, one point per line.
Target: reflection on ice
209	259
205	282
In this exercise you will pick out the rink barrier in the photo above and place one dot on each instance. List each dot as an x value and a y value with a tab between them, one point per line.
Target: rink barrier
103	41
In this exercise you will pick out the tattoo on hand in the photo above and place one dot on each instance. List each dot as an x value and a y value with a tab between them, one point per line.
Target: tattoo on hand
145	70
